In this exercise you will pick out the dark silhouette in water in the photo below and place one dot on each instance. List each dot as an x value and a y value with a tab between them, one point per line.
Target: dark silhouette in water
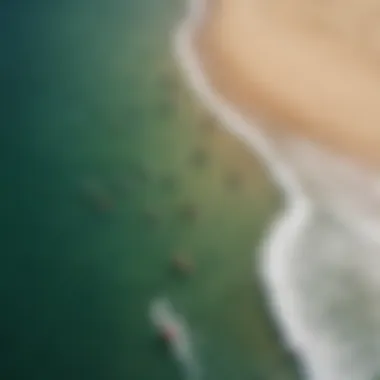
181	265
161	345
167	334
189	212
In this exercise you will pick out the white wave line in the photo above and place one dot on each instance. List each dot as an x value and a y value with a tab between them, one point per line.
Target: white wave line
278	246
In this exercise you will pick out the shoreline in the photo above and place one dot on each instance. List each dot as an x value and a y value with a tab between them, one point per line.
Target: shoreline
298	210
243	97
296	81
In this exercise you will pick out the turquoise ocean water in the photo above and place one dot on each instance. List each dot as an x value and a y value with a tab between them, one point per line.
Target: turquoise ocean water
109	168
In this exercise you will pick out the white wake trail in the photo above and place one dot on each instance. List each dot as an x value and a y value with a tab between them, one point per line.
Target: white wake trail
163	316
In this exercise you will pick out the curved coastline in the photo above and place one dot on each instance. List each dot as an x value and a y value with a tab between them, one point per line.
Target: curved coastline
297	215
298	210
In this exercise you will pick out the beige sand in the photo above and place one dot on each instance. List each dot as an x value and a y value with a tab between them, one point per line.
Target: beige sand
311	67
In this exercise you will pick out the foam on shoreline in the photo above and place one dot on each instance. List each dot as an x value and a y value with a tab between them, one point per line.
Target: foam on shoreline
298	208
286	233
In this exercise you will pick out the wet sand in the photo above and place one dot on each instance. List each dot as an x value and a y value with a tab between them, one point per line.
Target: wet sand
309	69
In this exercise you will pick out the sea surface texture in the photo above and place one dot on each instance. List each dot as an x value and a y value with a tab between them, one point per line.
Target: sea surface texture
110	167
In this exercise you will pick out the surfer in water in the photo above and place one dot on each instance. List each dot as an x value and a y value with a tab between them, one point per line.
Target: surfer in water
173	330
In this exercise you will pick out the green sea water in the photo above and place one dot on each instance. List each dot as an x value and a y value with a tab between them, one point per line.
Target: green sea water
103	149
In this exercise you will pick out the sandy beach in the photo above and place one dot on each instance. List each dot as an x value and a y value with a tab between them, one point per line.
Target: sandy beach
304	68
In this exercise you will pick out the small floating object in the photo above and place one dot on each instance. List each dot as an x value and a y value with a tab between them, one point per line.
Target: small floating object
182	265
173	330
164	319
169	326
167	333
189	212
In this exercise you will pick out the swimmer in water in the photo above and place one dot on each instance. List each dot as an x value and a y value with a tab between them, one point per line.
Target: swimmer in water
182	265
172	328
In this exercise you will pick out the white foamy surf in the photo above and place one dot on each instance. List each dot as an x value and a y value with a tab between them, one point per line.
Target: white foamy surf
163	316
315	280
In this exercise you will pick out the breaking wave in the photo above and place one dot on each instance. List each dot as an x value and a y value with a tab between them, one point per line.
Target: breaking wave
320	258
